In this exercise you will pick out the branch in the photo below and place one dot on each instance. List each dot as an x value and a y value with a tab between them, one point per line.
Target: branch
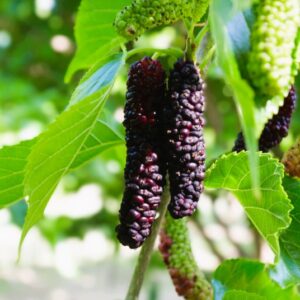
146	252
238	247
210	243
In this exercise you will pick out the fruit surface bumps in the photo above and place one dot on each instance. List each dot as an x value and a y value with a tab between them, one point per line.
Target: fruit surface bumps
275	129
145	169
177	254
291	160
273	40
142	15
184	121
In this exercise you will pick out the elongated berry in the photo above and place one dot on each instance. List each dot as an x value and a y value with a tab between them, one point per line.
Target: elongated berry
175	247
145	169
275	129
184	123
291	160
141	15
273	41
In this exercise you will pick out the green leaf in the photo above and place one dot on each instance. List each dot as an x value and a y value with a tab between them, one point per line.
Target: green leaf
270	213
58	148
95	35
241	295
287	271
18	212
242	5
97	77
221	13
251	277
101	138
239	34
13	160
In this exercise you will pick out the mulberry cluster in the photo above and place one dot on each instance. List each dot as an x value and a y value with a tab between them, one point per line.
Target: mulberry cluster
200	8
176	250
145	169
184	122
275	129
143	15
291	160
270	60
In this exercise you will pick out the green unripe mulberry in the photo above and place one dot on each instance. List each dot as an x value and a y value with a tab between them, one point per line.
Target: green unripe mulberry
273	42
291	160
176	250
296	56
142	15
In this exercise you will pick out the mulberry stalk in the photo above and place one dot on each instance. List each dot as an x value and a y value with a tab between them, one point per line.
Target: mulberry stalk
145	169
185	144
275	129
272	45
177	254
141	15
291	160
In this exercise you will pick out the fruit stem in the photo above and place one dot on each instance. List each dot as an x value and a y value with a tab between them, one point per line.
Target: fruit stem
146	251
190	45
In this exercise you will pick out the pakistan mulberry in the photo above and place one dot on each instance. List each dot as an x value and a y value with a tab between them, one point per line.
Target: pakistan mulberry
142	15
175	248
184	123
291	160
145	169
275	129
273	41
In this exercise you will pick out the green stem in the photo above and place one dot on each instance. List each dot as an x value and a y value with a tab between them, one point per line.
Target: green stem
155	55
149	51
189	49
146	252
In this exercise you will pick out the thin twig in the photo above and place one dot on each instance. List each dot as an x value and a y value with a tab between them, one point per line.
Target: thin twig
240	250
201	24
210	243
146	252
257	240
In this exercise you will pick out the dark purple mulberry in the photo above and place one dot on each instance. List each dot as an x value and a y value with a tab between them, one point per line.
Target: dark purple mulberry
145	169
184	123
275	129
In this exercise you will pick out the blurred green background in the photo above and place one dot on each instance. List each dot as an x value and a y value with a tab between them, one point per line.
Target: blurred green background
73	252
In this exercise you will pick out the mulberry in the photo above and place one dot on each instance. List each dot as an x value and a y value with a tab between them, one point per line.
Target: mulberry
145	169
184	122
276	128
291	160
272	45
177	254
142	15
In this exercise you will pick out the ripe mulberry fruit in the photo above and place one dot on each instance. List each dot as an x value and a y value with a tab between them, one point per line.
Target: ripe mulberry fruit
276	128
270	60
184	123
177	254
142	15
291	160
145	169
